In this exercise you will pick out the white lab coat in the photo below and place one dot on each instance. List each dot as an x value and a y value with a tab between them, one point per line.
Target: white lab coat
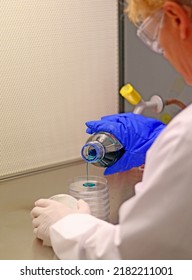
156	223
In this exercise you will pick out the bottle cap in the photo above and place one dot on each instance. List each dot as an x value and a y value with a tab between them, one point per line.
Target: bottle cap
130	94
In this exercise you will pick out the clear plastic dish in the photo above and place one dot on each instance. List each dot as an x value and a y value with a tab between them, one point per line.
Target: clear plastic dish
94	190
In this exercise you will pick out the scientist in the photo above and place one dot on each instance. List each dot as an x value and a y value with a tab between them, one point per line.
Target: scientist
157	222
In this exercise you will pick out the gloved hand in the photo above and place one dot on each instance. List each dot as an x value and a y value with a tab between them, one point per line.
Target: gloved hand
47	212
135	132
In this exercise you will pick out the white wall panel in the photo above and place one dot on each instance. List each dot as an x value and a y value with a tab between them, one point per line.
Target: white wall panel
59	68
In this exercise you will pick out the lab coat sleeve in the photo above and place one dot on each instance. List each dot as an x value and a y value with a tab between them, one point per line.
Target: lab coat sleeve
82	236
154	224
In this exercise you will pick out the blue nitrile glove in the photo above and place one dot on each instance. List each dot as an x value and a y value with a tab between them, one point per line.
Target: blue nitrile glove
135	132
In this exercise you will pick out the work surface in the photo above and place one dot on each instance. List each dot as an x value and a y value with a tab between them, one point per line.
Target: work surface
17	197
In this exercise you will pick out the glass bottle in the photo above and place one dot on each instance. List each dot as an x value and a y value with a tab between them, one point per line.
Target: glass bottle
102	149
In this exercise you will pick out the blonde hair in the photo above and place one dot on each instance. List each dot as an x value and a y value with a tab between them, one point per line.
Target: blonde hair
138	10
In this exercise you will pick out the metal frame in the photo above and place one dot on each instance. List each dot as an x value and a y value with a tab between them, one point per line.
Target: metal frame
121	22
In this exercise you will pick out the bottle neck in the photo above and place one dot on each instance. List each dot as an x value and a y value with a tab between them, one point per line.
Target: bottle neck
93	151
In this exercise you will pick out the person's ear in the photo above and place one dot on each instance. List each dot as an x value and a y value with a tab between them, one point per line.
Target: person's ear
179	17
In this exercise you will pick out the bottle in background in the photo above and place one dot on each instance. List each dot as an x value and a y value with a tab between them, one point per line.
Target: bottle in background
102	149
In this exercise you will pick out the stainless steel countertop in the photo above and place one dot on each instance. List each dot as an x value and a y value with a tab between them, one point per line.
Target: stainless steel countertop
17	197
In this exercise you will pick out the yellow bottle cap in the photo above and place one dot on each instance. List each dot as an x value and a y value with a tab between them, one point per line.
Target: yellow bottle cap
130	94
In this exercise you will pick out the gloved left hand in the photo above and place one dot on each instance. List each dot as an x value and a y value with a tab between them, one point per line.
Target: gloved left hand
47	212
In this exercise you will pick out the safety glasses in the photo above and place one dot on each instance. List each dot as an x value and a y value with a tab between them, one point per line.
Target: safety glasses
149	31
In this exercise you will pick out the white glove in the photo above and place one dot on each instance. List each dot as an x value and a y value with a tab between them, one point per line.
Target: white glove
47	212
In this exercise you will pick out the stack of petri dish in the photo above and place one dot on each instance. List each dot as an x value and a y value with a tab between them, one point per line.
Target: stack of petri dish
94	190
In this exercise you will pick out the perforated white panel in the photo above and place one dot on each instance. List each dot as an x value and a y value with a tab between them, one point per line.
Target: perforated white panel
59	68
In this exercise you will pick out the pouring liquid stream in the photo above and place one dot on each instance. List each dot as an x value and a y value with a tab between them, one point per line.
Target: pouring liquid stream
88	184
